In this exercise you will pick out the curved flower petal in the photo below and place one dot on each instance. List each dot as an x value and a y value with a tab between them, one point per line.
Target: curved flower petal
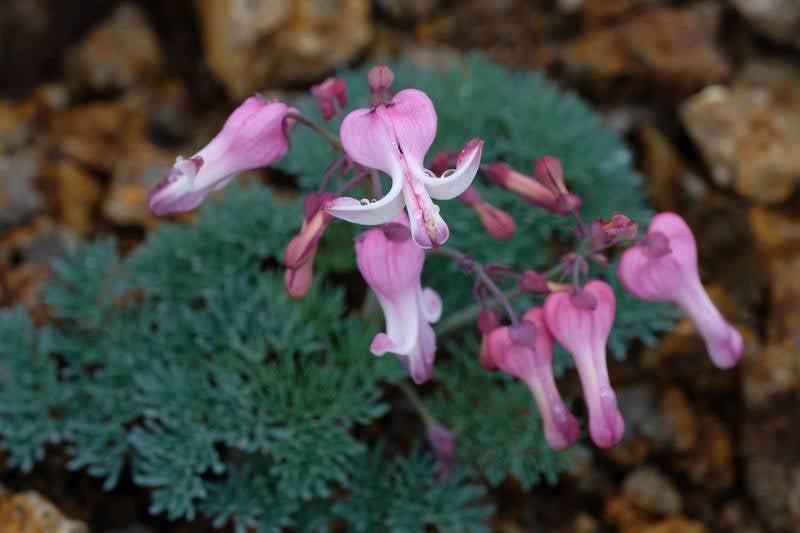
368	213
402	325
431	305
452	185
368	139
413	121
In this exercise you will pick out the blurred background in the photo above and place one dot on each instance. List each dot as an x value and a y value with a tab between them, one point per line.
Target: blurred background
97	98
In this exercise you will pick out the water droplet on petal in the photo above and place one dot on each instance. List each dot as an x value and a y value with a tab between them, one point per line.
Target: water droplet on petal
449	172
435	209
364	201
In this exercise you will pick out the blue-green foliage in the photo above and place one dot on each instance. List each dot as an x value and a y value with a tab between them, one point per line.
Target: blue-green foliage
187	364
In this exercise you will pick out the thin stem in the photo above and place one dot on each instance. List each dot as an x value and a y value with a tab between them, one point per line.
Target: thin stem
357	178
468	315
480	273
328	136
332	168
416	402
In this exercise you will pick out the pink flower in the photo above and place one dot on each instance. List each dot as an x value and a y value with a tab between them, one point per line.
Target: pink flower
498	223
664	268
581	323
300	252
392	264
394	138
255	135
331	97
533	363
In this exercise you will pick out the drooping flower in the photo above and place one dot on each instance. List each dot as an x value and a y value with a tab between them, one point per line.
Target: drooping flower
532	362
664	268
331	96
301	250
394	138
581	323
254	136
392	264
498	223
619	228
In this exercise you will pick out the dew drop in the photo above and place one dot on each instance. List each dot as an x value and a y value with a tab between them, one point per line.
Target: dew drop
435	209
364	201
449	172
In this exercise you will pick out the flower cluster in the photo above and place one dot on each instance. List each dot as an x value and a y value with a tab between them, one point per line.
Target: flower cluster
390	138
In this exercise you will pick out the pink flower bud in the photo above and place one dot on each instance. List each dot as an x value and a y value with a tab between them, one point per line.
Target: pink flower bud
299	255
549	172
523	186
498	223
488	320
615	230
664	268
392	268
254	136
331	97
534	366
581	323
533	282
380	80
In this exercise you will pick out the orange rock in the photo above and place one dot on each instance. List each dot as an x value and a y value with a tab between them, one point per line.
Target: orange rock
29	512
749	133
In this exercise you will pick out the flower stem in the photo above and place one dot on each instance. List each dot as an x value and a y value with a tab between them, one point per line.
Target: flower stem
416	402
328	136
480	273
467	315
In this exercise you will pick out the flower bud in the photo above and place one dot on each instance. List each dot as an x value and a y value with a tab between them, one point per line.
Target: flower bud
301	250
533	282
331	96
380	80
497	223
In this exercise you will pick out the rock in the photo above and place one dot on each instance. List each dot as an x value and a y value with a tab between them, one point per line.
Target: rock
620	512
650	490
749	132
139	168
116	54
711	464
92	134
73	194
776	233
665	47
675	524
30	512
252	44
19	200
405	10
34	33
771	429
778	20
16	124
